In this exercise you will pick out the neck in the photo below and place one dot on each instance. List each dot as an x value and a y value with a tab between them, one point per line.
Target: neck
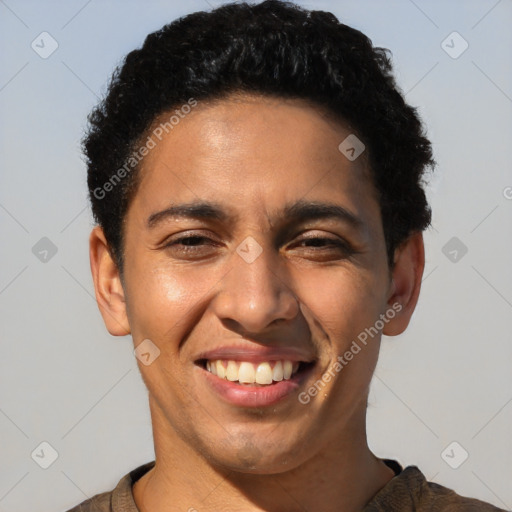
345	475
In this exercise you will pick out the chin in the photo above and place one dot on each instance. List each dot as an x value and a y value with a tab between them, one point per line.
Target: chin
258	457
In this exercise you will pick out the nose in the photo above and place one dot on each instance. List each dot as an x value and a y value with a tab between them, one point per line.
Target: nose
253	295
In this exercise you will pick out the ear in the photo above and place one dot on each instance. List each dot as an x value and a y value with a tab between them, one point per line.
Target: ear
107	284
406	283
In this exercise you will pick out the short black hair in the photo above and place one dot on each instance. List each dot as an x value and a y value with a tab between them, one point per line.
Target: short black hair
273	48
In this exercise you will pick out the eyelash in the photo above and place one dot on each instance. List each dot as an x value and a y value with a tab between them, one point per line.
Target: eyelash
334	243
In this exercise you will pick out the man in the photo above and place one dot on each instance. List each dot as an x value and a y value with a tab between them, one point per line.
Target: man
257	183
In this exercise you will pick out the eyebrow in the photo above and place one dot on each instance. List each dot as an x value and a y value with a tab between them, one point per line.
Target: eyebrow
200	210
299	211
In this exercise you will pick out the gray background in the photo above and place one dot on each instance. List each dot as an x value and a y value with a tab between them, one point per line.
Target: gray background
66	381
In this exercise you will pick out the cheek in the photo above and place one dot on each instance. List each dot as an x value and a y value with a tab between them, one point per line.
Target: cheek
338	308
342	302
161	301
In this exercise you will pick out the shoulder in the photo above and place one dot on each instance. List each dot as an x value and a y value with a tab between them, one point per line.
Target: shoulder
99	503
120	499
410	490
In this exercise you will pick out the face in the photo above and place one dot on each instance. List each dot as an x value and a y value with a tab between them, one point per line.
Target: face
254	248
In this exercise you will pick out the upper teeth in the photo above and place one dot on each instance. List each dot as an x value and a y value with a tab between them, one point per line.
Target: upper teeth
249	373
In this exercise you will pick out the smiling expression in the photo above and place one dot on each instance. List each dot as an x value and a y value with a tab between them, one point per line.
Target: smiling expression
254	255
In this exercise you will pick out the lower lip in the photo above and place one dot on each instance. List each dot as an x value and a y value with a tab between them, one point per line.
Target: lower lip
254	396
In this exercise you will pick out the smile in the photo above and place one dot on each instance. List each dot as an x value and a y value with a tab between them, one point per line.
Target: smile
247	373
256	383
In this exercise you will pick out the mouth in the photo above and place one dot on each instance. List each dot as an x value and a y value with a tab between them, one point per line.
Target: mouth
247	373
253	383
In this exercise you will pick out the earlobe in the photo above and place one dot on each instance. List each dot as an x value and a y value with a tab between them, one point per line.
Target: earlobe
405	283
107	285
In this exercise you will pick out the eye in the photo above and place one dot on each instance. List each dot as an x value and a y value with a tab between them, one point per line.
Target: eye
190	240
317	241
325	245
190	245
318	246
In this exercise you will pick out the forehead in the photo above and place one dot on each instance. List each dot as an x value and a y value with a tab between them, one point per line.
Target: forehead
242	122
251	151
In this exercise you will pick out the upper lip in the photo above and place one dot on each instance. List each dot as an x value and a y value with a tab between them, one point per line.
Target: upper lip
257	353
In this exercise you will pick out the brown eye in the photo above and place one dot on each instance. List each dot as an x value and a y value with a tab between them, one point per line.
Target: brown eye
190	245
324	247
322	242
190	240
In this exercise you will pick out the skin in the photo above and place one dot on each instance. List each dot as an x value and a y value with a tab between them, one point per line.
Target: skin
252	155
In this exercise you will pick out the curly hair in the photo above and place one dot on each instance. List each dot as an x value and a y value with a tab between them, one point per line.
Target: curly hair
273	48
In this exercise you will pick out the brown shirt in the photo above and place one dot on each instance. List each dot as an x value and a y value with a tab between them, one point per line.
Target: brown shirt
408	491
